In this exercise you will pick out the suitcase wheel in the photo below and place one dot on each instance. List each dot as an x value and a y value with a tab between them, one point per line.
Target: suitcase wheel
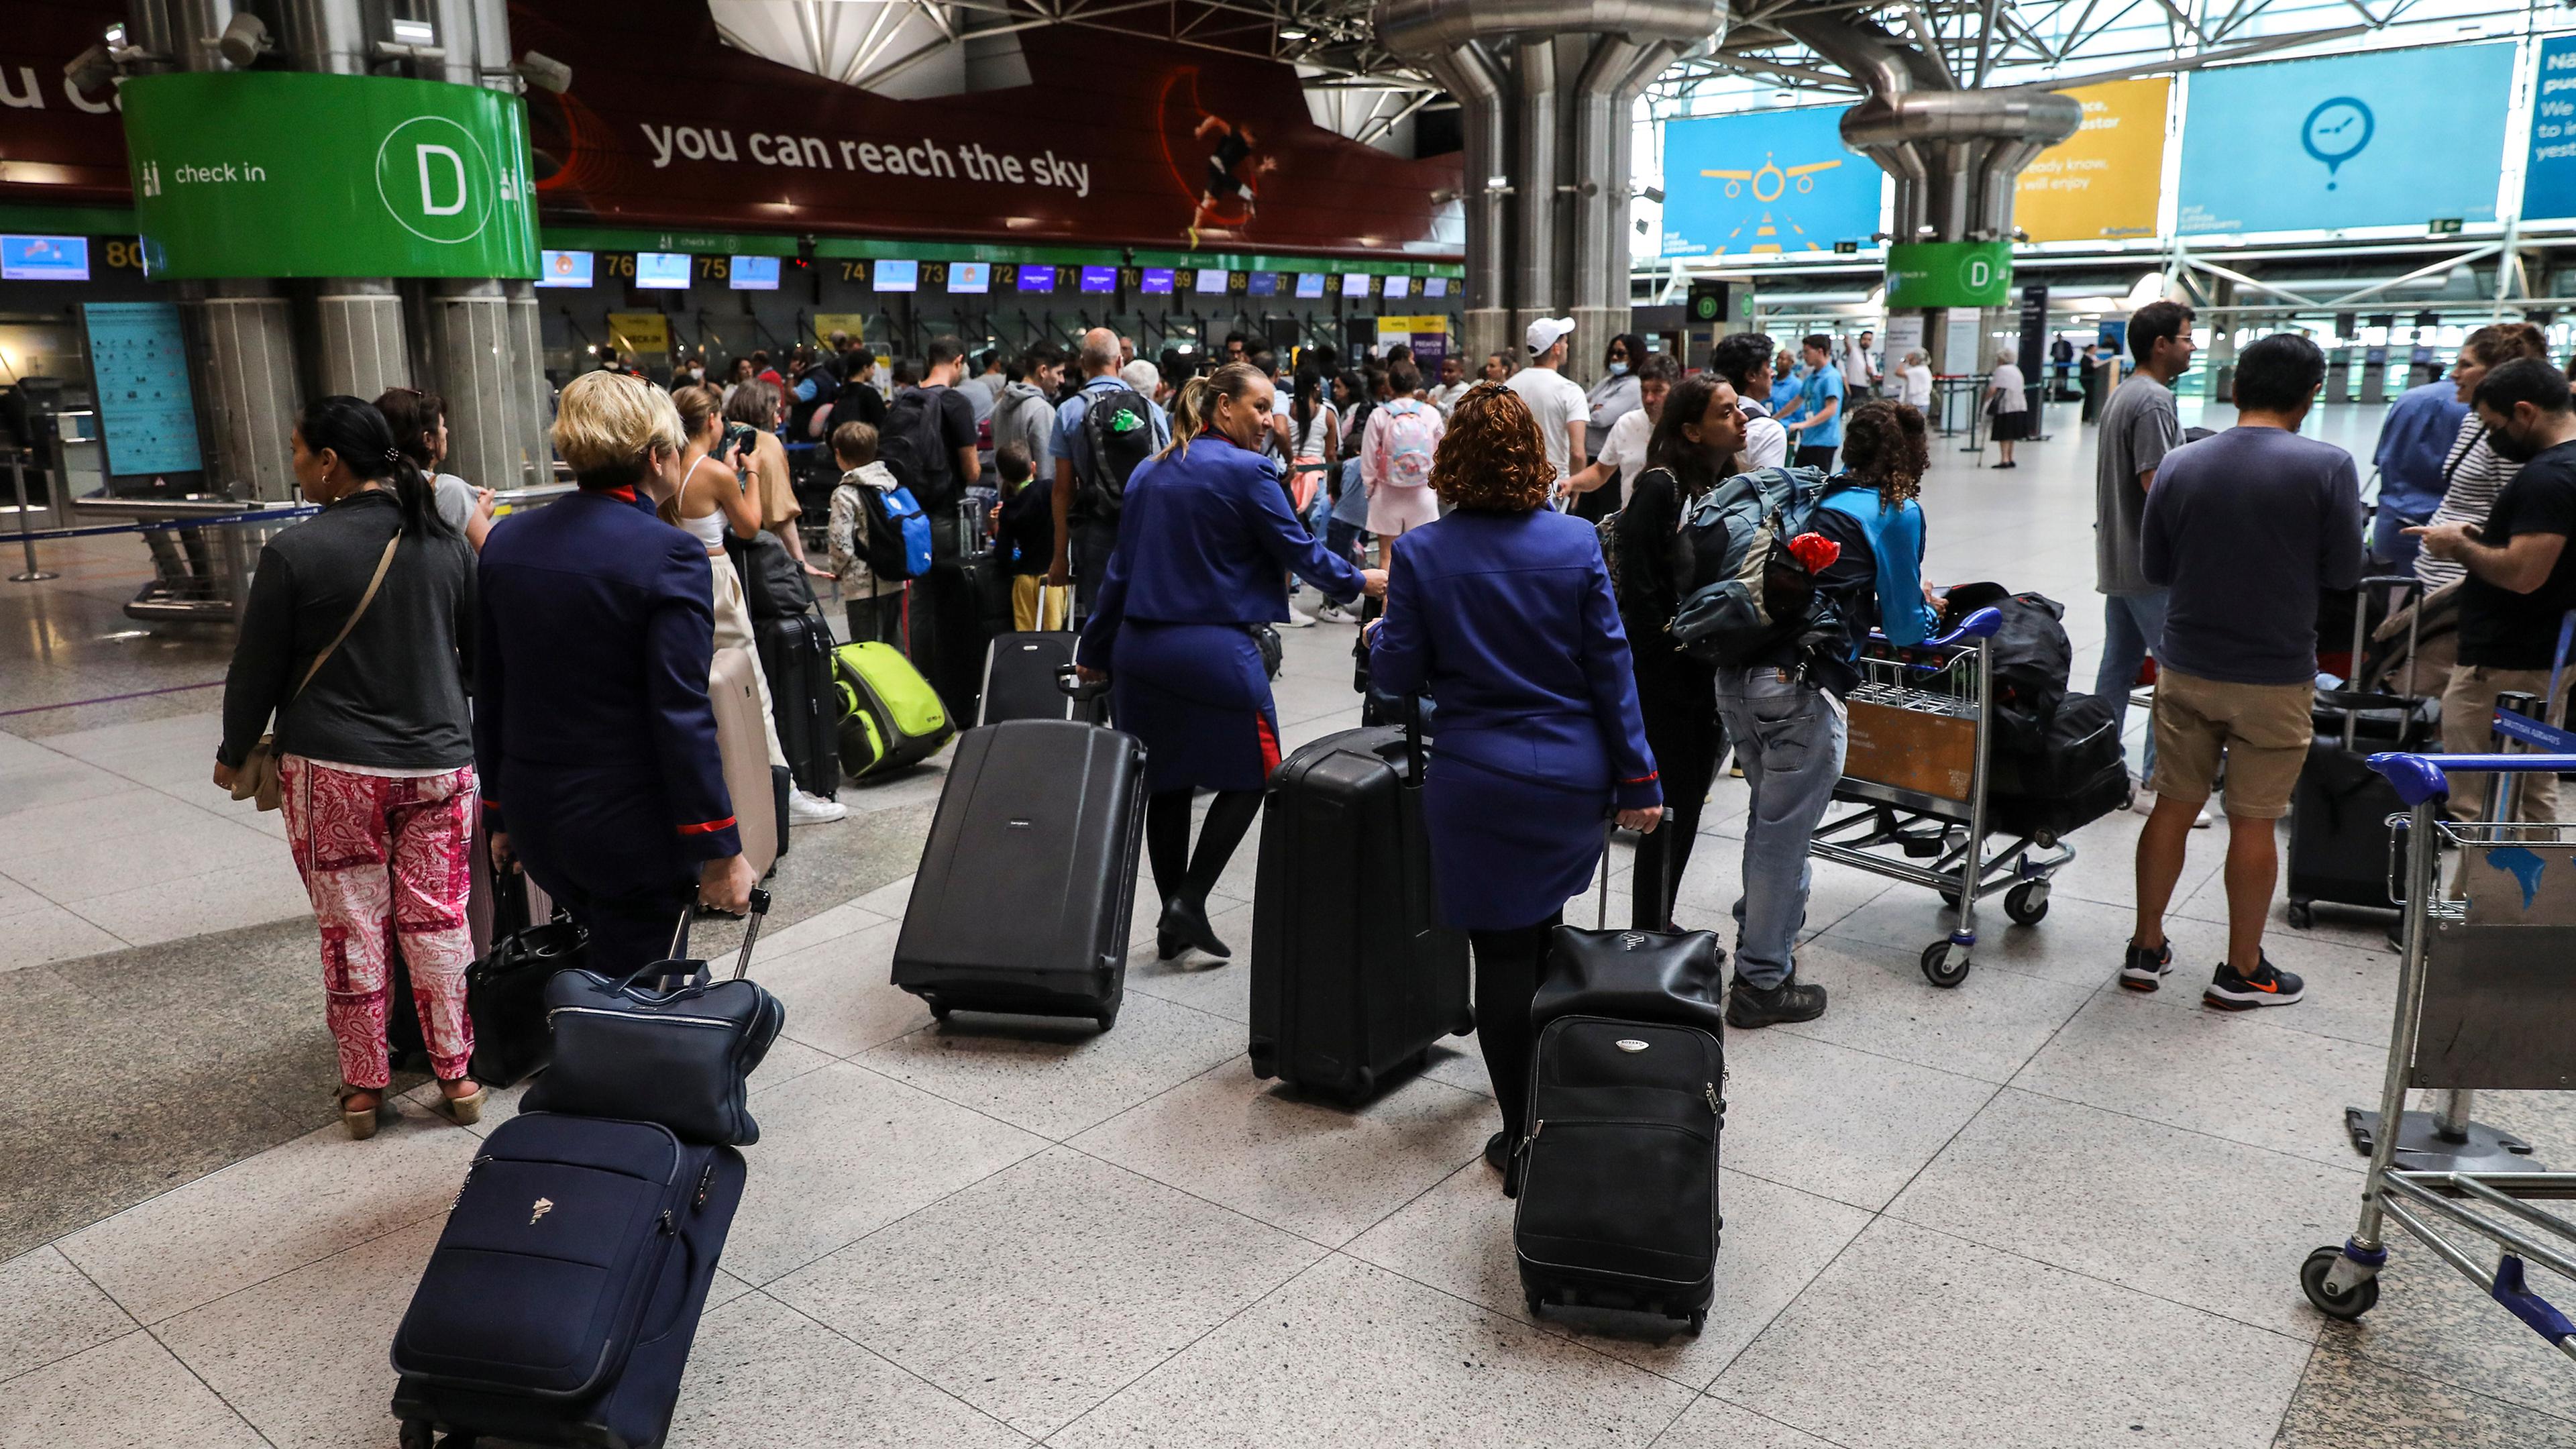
2302	915
938	1009
1107	1019
1698	1321
416	1434
1535	1303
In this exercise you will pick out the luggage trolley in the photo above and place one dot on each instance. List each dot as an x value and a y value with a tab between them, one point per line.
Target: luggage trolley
1918	765
2483	1000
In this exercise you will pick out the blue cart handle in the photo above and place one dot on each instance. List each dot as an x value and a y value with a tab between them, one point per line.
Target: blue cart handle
1979	625
2418	778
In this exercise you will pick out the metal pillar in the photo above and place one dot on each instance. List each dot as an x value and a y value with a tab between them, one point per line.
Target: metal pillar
487	369
251	393
363	347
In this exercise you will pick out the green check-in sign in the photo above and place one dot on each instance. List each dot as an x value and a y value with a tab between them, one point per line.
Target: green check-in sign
287	174
1949	274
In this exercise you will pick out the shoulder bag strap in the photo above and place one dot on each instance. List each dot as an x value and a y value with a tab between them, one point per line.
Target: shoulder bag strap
355	615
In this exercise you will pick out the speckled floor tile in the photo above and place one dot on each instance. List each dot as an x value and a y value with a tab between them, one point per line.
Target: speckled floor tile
2434	1322
1046	1287
1716	1424
124	1393
1220	988
50	1311
1878	1001
1836	1122
837	992
1056	1076
762	1374
2346	1401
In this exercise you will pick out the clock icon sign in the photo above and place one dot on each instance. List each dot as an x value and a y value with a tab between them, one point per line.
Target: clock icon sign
2336	131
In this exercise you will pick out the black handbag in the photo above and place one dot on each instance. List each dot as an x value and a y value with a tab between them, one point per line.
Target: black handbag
504	994
678	1055
773	583
1676	978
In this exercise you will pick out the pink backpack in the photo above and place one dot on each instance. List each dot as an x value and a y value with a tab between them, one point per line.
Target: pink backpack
1410	438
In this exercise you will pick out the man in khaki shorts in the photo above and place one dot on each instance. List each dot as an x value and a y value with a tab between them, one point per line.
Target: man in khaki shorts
2245	528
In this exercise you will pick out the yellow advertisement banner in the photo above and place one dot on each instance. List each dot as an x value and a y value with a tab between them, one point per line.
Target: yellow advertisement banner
2102	182
640	332
827	323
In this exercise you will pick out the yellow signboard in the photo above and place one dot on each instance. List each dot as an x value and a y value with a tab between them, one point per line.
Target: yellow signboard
640	332
854	324
2103	181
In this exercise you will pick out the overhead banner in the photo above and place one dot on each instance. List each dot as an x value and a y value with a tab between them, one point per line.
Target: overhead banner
2549	172
2103	182
1773	181
1949	274
2388	138
292	174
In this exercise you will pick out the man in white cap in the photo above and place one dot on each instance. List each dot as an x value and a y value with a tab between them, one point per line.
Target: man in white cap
1553	399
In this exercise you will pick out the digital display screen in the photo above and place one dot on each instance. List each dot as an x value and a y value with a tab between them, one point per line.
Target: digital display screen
1435	286
44	258
666	270
1037	279
1399	286
1158	281
754	274
894	276
1310	284
1105	279
1355	284
970	276
564	269
1264	284
1211	282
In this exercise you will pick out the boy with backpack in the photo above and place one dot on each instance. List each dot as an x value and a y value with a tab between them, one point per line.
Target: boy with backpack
880	538
1025	538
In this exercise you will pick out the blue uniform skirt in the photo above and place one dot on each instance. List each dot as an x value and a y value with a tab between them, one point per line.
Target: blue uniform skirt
1198	697
1507	852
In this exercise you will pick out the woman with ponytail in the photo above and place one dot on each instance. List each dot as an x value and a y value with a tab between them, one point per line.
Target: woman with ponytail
357	640
1204	537
419	422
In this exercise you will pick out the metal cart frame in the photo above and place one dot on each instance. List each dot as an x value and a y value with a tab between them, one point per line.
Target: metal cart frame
2491	1031
1921	825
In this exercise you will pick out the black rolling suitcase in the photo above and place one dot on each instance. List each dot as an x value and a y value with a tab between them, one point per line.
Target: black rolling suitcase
1020	681
2339	810
1028	880
564	1294
1353	976
796	655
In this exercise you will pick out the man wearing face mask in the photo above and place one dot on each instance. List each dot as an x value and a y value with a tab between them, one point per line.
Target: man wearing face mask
2521	580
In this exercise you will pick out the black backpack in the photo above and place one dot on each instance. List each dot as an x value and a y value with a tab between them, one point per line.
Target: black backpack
1118	436
911	443
2029	657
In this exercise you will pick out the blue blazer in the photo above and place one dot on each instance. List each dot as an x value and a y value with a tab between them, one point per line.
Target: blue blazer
1203	539
1508	620
596	635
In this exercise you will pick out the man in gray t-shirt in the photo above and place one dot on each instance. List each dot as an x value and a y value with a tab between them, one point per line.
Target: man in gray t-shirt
2139	426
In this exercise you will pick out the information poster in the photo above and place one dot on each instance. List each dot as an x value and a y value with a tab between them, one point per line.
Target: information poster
640	333
2103	182
2388	138
848	324
139	363
1777	181
2549	172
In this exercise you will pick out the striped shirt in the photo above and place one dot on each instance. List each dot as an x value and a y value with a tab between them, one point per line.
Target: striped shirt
2472	476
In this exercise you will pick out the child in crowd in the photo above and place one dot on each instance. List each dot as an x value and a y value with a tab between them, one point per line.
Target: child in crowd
875	606
1025	535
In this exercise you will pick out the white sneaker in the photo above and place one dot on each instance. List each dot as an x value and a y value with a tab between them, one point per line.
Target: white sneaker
1296	620
1335	614
804	809
2141	799
2201	821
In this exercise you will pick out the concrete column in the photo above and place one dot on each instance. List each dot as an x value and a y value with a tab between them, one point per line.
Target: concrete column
486	416
246	364
528	365
361	327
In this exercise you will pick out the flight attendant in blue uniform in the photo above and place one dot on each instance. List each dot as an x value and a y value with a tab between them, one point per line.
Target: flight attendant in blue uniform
592	728
1502	611
1204	536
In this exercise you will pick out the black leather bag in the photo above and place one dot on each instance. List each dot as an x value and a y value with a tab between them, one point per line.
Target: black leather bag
680	1056
1677	978
773	584
504	994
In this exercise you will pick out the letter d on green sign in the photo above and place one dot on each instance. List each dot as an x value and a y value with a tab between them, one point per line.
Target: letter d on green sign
1949	274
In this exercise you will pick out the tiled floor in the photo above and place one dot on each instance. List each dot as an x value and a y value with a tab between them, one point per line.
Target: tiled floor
2033	1211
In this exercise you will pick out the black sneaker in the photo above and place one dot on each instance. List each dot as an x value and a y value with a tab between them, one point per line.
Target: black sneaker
2268	986
2142	969
1749	1006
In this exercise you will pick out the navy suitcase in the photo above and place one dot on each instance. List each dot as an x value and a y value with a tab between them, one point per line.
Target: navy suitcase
804	701
564	1293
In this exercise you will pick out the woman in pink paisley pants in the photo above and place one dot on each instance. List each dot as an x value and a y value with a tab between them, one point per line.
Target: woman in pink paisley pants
356	638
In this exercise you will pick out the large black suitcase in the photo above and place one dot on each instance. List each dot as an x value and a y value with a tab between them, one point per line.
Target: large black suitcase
1020	680
1353	976
1618	1203
796	655
2339	832
1028	880
564	1293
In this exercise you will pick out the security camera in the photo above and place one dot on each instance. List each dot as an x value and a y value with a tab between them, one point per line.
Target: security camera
245	37
544	72
91	69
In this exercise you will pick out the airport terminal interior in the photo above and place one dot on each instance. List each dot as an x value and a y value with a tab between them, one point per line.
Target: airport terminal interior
1986	1198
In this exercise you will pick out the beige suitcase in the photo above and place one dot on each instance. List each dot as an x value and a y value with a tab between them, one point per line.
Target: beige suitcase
733	686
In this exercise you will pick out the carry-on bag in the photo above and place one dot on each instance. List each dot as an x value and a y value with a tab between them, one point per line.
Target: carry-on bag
2069	774
890	717
1027	884
742	745
1020	678
2340	808
505	999
666	1042
796	654
561	1301
1618	1202
1353	974
1675	977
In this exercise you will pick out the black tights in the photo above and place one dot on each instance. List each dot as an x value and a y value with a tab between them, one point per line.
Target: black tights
1167	840
1508	965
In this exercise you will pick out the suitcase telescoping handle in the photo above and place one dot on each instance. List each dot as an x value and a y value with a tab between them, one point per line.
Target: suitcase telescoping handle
1413	741
1601	906
1069	679
688	917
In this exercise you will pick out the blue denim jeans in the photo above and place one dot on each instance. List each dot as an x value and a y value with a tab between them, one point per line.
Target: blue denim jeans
1789	736
1342	541
2133	625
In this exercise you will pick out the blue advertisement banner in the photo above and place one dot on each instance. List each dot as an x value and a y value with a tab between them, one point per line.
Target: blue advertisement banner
1778	181
2347	141
2549	172
139	364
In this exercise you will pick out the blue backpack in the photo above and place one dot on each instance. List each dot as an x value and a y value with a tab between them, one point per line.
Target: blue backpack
898	541
1744	594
